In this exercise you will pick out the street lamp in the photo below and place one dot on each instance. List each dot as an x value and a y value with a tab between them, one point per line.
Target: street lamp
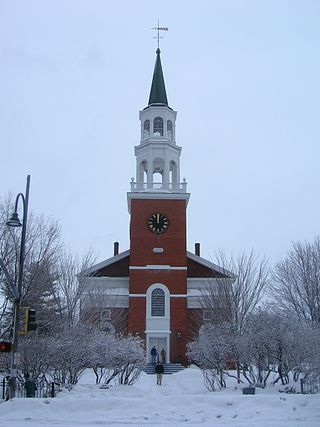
14	221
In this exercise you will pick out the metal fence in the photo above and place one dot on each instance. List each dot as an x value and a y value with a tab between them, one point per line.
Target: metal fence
44	389
310	386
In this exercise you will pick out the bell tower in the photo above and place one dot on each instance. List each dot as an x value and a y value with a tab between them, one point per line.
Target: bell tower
157	203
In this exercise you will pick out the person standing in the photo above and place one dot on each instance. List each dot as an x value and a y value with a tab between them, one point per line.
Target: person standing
8	387
154	355
163	356
30	386
159	370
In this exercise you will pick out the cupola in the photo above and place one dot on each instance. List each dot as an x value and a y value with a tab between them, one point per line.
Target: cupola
157	155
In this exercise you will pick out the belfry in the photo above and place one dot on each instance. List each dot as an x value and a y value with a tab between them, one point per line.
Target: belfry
154	289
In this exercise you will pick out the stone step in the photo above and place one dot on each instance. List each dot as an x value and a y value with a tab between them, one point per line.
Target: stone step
169	368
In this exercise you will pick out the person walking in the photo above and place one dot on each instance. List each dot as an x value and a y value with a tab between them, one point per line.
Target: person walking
163	356
30	386
159	370
8	387
154	355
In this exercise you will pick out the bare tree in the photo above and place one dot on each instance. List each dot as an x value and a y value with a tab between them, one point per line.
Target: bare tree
70	284
212	351
104	307
43	245
296	284
232	299
64	355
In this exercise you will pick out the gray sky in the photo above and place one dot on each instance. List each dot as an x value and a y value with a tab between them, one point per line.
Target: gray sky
243	76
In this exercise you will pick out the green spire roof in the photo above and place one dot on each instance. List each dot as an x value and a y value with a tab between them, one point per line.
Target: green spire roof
158	90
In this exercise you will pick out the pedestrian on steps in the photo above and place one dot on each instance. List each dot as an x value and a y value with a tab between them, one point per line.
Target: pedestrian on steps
154	355
163	356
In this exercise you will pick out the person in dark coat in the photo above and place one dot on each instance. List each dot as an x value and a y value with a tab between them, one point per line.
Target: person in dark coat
154	355
8	387
30	386
163	356
159	370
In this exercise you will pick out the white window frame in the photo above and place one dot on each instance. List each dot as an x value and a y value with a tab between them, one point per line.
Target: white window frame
170	131
159	124
166	301
146	129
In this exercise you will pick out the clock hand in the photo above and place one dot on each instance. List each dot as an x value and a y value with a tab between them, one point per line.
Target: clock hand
158	215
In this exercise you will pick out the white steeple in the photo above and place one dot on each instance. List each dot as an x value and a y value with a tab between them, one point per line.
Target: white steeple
157	155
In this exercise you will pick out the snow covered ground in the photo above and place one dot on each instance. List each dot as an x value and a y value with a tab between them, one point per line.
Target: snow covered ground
181	400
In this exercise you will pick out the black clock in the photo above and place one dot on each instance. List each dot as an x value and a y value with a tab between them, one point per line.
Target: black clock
158	223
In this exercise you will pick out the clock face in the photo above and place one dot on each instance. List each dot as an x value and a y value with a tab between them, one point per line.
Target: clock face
158	223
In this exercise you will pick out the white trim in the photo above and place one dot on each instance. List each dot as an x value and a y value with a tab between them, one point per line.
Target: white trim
154	195
202	283
155	267
171	295
167	301
126	253
178	295
151	331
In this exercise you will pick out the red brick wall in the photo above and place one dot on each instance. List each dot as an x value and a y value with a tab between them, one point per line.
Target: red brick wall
179	329
136	316
173	240
175	280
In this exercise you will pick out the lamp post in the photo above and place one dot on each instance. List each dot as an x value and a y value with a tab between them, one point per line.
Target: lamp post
14	221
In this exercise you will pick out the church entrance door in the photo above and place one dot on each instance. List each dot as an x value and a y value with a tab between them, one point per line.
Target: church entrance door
159	343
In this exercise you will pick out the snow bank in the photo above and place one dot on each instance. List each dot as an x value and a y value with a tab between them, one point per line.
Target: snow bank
182	399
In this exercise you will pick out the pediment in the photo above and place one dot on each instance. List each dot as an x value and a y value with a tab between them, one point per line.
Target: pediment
200	267
118	266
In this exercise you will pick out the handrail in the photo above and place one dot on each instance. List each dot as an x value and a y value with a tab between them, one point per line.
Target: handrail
174	187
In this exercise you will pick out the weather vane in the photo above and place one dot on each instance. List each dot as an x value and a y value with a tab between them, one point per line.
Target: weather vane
158	29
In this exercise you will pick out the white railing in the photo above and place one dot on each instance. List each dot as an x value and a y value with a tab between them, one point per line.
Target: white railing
172	187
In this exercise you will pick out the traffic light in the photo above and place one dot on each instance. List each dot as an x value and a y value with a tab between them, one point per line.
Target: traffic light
30	320
5	346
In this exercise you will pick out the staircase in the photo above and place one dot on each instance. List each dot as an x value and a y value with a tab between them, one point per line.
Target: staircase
169	368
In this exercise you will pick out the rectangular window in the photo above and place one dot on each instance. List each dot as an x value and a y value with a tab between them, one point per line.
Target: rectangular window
105	315
207	315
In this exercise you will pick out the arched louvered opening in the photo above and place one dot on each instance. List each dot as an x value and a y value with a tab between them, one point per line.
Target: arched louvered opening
143	171
173	172
146	129
157	303
157	171
158	126
170	129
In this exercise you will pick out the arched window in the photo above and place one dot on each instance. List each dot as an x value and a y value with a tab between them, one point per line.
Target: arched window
146	129
143	172
173	172
170	129
157	302
158	126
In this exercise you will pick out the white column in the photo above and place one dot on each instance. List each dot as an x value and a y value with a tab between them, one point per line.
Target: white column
150	173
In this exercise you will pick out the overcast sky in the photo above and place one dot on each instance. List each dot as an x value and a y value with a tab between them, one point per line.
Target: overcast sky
243	76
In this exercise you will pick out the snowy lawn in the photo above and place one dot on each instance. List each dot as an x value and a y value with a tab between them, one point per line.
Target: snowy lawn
181	400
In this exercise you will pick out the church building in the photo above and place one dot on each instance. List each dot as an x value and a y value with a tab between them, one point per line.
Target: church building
154	288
